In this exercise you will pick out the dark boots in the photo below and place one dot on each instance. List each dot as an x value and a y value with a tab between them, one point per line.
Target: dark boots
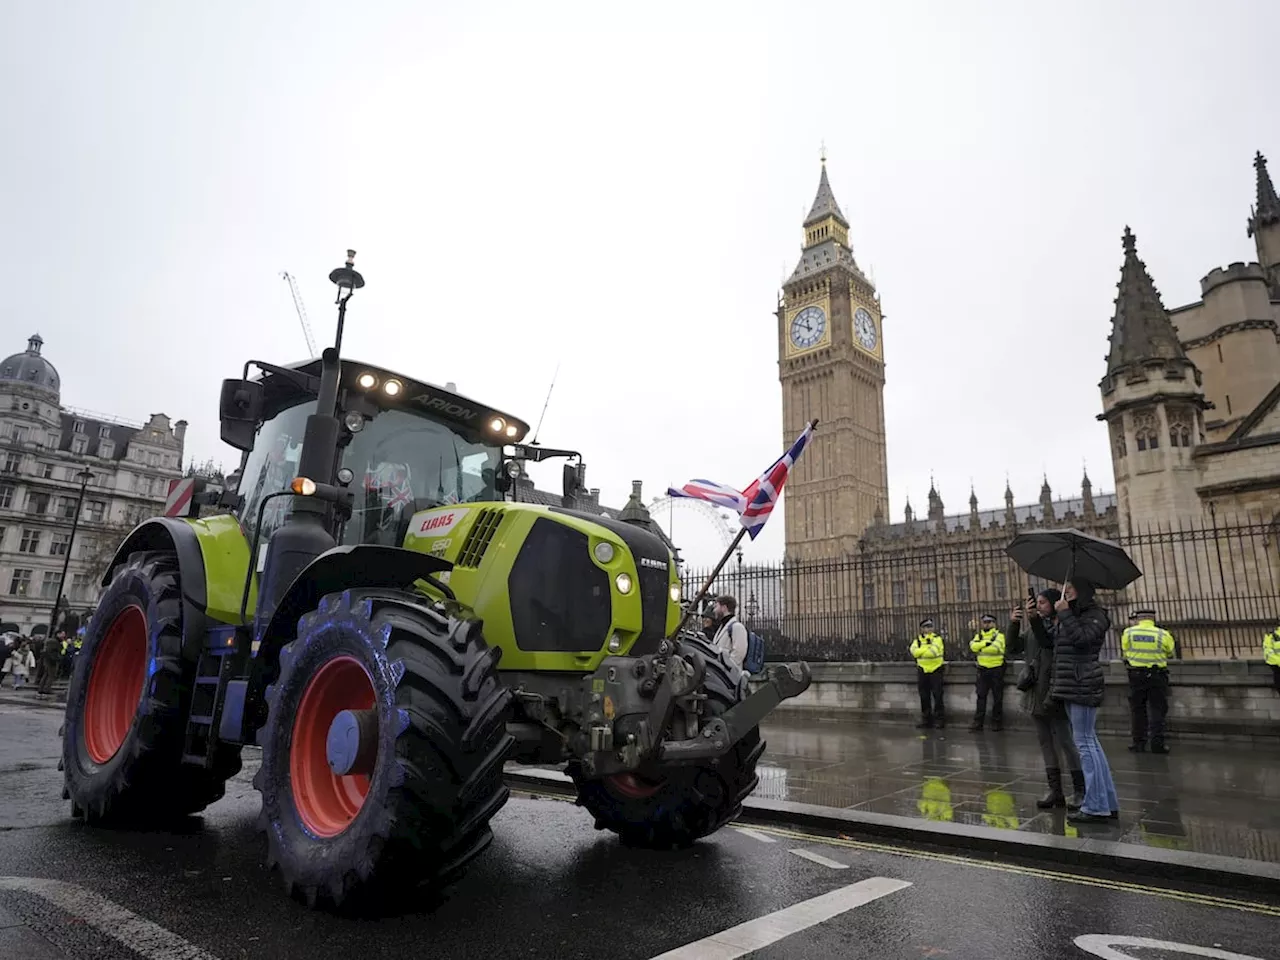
1077	790
1054	797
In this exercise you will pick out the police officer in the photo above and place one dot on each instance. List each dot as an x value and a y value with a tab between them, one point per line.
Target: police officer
930	667
1271	654
1146	649
989	645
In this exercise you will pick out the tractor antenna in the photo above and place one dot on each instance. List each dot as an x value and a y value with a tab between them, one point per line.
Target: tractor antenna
302	312
542	416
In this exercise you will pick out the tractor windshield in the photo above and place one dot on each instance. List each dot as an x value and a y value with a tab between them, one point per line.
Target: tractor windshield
403	462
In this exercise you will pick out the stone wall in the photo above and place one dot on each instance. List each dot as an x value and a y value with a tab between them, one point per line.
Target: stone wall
1209	699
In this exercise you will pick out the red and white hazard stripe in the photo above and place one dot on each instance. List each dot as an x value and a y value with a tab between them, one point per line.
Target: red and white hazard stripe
179	499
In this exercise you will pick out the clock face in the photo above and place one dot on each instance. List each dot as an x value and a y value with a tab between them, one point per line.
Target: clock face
864	326
807	326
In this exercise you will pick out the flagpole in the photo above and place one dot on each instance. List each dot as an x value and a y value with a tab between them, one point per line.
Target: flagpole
706	587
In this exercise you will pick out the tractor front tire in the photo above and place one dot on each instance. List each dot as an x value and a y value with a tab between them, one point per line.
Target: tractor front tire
433	740
671	807
127	706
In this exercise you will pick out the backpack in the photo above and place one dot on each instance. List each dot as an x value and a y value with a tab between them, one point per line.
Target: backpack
754	661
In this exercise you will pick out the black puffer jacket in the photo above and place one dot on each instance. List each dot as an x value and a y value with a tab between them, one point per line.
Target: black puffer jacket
1078	636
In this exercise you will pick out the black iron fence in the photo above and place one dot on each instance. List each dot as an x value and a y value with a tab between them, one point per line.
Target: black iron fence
1216	588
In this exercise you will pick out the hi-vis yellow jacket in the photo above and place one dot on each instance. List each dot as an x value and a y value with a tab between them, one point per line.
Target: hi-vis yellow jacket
927	649
989	646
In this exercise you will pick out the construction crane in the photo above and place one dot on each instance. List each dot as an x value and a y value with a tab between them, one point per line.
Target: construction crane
302	312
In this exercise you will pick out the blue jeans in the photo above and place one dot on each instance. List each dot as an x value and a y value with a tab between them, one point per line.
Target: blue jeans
1099	789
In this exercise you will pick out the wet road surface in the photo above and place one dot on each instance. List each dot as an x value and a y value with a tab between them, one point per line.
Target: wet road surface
551	886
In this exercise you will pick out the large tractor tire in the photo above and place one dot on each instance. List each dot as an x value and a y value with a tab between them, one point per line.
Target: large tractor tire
383	748
128	702
670	807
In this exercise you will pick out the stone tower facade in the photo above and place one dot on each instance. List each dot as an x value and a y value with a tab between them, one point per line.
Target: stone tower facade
1153	403
831	366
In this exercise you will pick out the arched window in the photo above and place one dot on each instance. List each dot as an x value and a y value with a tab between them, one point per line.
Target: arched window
1145	432
1179	429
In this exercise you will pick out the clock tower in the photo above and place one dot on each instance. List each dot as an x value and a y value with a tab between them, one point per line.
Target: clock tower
831	366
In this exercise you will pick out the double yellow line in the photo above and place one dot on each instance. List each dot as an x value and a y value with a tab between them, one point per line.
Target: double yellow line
1204	899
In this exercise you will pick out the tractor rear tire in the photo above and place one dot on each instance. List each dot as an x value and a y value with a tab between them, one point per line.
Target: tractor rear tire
671	807
432	767
128	702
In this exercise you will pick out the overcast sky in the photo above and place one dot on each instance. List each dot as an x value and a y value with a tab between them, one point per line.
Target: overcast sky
621	191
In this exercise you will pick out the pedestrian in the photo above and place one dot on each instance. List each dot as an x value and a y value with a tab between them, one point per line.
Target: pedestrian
931	666
1030	633
731	635
24	661
37	650
709	624
1271	654
1146	649
51	657
1079	682
989	645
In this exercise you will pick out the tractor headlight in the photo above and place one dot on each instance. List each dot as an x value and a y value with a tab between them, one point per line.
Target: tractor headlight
674	593
513	469
615	643
367	380
604	553
623	581
307	487
497	424
354	421
392	388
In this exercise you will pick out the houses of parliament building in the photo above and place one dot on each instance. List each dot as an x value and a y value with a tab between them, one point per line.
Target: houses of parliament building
1190	397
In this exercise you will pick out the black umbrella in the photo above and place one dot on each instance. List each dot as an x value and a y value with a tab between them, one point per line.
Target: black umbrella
1059	555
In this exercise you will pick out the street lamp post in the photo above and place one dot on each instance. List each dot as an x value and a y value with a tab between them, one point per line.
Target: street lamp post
84	476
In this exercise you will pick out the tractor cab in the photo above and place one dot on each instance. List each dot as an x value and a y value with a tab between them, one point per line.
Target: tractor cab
402	446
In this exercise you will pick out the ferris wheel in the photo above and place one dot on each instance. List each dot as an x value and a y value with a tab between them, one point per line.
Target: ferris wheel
661	509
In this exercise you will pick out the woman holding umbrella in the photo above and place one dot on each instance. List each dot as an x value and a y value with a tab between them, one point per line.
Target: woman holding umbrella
1079	681
1078	634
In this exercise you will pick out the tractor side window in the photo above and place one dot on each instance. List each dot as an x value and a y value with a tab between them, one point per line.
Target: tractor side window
404	462
270	466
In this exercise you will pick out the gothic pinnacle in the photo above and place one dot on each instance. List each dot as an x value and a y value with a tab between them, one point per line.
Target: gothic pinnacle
1267	210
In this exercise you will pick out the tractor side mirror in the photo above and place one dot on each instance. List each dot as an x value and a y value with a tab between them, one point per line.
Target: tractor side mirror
240	410
570	481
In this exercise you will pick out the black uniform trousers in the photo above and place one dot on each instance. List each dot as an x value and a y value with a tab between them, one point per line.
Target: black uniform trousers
930	687
1148	690
990	681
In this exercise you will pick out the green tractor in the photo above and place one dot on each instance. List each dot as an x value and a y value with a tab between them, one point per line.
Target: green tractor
332	614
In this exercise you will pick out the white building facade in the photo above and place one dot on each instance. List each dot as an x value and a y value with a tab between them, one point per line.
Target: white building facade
44	450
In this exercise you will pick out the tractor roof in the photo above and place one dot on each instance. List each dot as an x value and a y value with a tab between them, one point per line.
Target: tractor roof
413	395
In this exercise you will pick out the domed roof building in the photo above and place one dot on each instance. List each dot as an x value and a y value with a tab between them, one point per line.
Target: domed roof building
31	368
57	462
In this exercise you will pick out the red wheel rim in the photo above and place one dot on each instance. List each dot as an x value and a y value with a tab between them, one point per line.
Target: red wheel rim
325	802
634	787
116	678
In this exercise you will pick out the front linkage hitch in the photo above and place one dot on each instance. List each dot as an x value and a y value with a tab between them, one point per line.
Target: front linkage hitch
683	677
634	703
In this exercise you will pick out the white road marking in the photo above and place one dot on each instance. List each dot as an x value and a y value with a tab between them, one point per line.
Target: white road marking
146	939
820	859
756	835
756	934
1104	945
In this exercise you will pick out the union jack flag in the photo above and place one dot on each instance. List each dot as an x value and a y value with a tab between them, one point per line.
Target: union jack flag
755	504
